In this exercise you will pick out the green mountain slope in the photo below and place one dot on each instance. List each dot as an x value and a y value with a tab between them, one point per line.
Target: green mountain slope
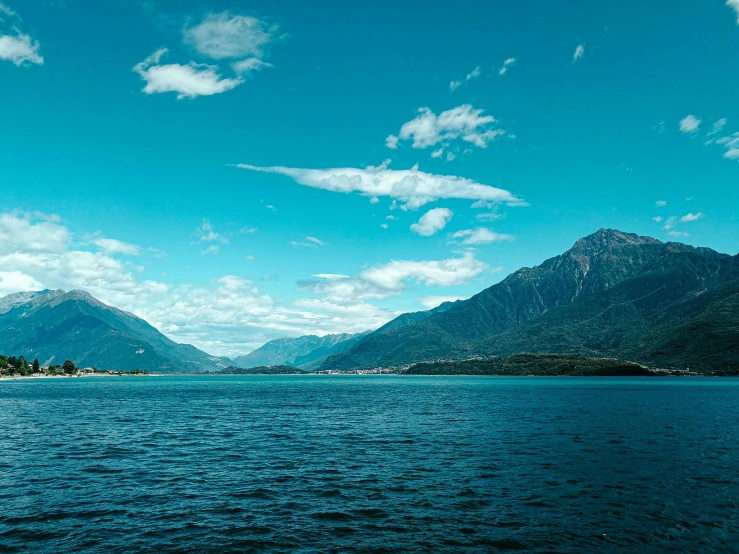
307	352
55	325
612	294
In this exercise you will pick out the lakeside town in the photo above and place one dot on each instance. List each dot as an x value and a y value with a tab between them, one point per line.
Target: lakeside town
15	367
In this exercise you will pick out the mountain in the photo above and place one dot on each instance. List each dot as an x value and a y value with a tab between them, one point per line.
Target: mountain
612	294
403	320
54	326
310	351
306	352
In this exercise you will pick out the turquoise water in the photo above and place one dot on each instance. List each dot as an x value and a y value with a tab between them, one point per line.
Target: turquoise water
369	463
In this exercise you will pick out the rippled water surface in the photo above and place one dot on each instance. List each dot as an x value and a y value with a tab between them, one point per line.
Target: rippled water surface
369	463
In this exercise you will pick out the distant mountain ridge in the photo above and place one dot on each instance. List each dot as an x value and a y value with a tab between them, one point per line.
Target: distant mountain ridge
54	325
612	294
306	352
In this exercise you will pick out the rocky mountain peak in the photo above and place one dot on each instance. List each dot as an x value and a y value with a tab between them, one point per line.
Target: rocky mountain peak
605	239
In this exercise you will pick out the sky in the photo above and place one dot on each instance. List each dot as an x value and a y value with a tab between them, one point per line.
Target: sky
238	171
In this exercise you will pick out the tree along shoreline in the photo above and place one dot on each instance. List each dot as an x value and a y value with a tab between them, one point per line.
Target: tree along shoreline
18	367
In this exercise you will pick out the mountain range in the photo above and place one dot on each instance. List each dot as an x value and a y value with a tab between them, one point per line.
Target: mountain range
306	352
309	352
54	325
613	294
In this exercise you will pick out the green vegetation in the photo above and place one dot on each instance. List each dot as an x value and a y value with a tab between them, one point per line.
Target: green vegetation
263	370
534	364
18	366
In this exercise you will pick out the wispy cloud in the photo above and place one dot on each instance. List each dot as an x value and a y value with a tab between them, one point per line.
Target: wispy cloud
6	10
481	235
579	53
510	62
661	203
206	233
474	74
226	36
412	186
308	242
113	246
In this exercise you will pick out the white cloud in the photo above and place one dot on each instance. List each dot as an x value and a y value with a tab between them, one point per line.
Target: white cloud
113	246
374	200
579	52
226	36
309	242
188	81
463	123
453	271
489	216
734	4
227	316
481	235
670	223
474	74
248	65
732	154
687	218
678	234
6	10
661	203
718	125
211	250
15	281
431	302
206	233
657	219
689	124
31	233
20	49
384	225
510	62
413	187
432	222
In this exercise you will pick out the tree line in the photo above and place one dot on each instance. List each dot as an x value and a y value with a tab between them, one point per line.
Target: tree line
12	365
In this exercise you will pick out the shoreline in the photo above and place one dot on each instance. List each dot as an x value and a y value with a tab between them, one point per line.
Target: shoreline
353	374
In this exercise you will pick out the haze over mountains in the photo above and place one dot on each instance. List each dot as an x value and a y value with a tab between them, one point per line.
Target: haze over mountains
613	294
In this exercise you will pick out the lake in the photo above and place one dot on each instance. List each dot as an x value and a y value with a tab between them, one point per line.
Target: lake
369	463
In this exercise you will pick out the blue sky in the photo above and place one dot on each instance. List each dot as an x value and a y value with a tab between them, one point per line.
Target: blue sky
239	171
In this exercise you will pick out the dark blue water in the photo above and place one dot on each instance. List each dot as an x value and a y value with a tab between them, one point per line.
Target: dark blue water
364	463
